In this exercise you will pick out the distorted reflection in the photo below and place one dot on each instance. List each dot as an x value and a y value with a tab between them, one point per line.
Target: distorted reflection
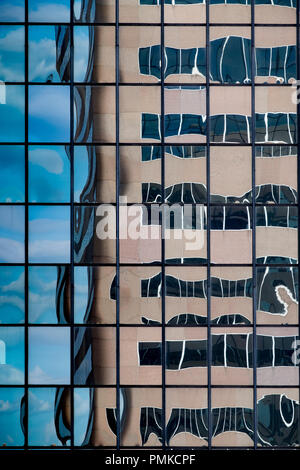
49	113
49	11
12	10
12	234
49	413
49	355
11	355
12	176
11	430
12	44
12	292
49	294
49	53
49	234
49	173
12	113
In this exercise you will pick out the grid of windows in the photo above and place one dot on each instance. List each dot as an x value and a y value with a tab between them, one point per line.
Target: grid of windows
175	120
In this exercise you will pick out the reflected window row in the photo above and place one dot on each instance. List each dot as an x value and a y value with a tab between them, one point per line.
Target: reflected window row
50	415
49	54
186	290
233	355
184	232
185	119
149	11
49	174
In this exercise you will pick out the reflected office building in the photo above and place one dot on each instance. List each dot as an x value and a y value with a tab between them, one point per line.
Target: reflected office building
177	118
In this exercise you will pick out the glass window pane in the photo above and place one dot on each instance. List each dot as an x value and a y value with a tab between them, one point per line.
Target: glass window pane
12	175
49	174
49	411
142	43
230	175
185	55
276	174
94	174
49	355
139	114
139	12
140	366
276	232
277	12
278	417
186	294
237	11
277	294
94	355
231	295
140	301
12	290
48	62
277	358
12	10
185	179
12	349
230	118
49	113
94	234
49	234
49	294
94	54
232	417
231	234
185	119
102	12
12	234
11	432
232	356
230	55
12	44
275	55
91	308
99	403
186	417
40	11
145	408
275	115
94	114
12	113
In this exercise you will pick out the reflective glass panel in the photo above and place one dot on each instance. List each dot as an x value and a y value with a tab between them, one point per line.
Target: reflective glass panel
49	54
11	355
12	292
12	44
49	234
49	174
58	11
49	355
12	176
49	113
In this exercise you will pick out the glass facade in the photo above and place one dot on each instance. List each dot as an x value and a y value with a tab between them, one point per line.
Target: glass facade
149	293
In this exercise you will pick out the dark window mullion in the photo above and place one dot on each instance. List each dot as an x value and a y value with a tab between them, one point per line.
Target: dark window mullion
253	133
117	110
209	337
26	226
163	269
72	369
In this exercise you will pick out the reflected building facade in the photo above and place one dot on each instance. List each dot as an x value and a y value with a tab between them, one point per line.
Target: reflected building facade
181	120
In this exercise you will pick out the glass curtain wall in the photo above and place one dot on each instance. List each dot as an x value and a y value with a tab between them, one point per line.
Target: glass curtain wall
149	224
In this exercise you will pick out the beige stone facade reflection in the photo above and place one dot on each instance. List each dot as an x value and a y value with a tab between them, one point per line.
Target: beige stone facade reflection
230	175
232	397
